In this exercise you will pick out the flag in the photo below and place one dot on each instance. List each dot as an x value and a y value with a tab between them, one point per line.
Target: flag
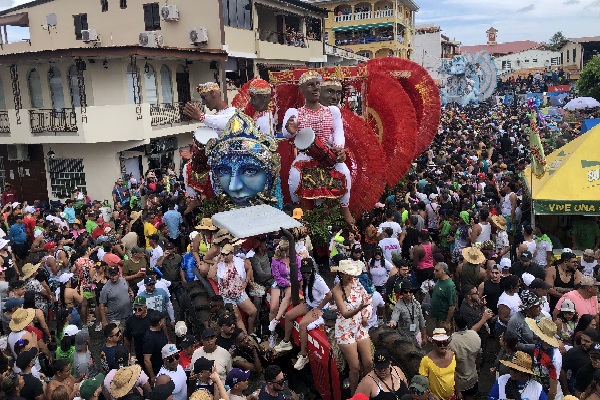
538	158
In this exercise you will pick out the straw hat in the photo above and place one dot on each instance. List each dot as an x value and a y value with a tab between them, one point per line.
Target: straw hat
200	394
545	329
135	215
21	318
521	362
221	235
348	267
473	255
124	380
206	223
29	269
499	221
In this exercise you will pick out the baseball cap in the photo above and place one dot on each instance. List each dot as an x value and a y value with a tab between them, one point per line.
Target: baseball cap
537	283
203	364
306	265
137	250
236	375
208	332
26	357
169	246
168	350
567	306
187	341
595	348
88	387
526	256
154	237
13	302
382	359
149	280
139	301
71	330
505	263
113	271
433	196
81	339
589	253
226	319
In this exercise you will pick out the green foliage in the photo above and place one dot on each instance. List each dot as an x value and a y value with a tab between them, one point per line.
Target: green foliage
589	80
320	219
557	40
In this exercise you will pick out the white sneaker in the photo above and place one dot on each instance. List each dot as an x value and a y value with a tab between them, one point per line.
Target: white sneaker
301	363
98	327
273	325
283	346
272	340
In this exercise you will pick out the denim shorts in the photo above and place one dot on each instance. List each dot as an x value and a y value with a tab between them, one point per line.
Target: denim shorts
237	300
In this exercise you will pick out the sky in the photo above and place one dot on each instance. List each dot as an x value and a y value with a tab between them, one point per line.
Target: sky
467	20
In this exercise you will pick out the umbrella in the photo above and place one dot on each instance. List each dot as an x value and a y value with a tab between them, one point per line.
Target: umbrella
582	102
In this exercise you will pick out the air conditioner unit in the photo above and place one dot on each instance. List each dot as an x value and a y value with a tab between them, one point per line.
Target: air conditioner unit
18	152
150	39
169	13
198	36
90	35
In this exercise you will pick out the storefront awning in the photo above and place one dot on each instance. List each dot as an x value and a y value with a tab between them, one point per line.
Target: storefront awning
571	184
362	27
21	19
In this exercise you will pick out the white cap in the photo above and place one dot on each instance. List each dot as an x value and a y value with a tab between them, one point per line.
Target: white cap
193	235
505	263
527	278
567	250
64	278
16	203
433	196
168	350
180	328
71	330
567	306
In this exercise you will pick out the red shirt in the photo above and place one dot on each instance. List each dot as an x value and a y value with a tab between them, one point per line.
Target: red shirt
29	226
186	361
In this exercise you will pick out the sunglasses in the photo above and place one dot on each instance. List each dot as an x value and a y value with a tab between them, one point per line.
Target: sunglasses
442	343
280	382
117	333
150	284
138	309
172	358
407	291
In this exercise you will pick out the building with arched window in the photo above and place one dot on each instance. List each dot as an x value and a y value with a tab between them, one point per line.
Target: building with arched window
101	87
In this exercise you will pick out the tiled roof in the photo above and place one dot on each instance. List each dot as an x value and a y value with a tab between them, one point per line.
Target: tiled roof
501	48
585	39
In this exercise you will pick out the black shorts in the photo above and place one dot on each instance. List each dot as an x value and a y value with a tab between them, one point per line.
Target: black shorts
471	392
423	274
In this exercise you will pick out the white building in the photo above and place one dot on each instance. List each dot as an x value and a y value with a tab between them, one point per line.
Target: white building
533	58
432	47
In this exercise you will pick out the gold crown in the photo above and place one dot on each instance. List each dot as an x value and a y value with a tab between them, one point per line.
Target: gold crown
308	75
260	86
334	78
207	87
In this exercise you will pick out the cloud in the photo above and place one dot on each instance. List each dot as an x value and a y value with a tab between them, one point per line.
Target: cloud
571	2
526	8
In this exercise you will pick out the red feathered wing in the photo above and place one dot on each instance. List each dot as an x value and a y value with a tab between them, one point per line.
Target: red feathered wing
422	91
391	114
364	158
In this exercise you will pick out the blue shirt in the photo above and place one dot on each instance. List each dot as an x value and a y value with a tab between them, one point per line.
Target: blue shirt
188	264
172	219
16	234
156	301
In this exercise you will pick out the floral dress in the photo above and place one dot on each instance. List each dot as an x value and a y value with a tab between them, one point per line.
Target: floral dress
83	265
230	280
350	330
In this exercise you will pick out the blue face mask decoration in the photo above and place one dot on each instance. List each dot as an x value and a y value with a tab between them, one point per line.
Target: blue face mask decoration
244	164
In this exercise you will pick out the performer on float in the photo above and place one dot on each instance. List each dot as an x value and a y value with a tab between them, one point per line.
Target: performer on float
331	92
326	122
260	98
210	92
196	171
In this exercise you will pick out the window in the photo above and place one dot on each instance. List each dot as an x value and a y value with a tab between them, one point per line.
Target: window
526	60
123	3
104	5
81	24
555	61
506	65
65	175
152	17
574	55
166	85
2	102
74	87
534	60
150	84
237	13
133	79
56	88
35	89
568	56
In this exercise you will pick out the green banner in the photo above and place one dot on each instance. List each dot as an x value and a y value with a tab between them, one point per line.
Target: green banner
566	207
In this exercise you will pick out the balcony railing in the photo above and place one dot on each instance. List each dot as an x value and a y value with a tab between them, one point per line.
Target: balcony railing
363	15
336	51
53	121
167	114
364	39
383	13
343	18
4	122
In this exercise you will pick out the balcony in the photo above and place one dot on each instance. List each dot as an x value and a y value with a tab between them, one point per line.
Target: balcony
50	121
4	122
167	114
345	54
371	15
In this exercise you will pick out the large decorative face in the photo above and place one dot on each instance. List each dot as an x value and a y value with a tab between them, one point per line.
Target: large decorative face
311	90
244	163
260	102
331	95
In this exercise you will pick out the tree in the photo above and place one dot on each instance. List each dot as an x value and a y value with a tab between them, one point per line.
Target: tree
589	80
557	40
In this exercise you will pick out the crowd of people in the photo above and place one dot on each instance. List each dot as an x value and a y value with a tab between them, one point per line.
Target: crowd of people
94	295
532	83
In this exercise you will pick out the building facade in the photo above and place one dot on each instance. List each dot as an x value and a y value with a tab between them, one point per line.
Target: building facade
576	52
535	58
371	28
431	47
